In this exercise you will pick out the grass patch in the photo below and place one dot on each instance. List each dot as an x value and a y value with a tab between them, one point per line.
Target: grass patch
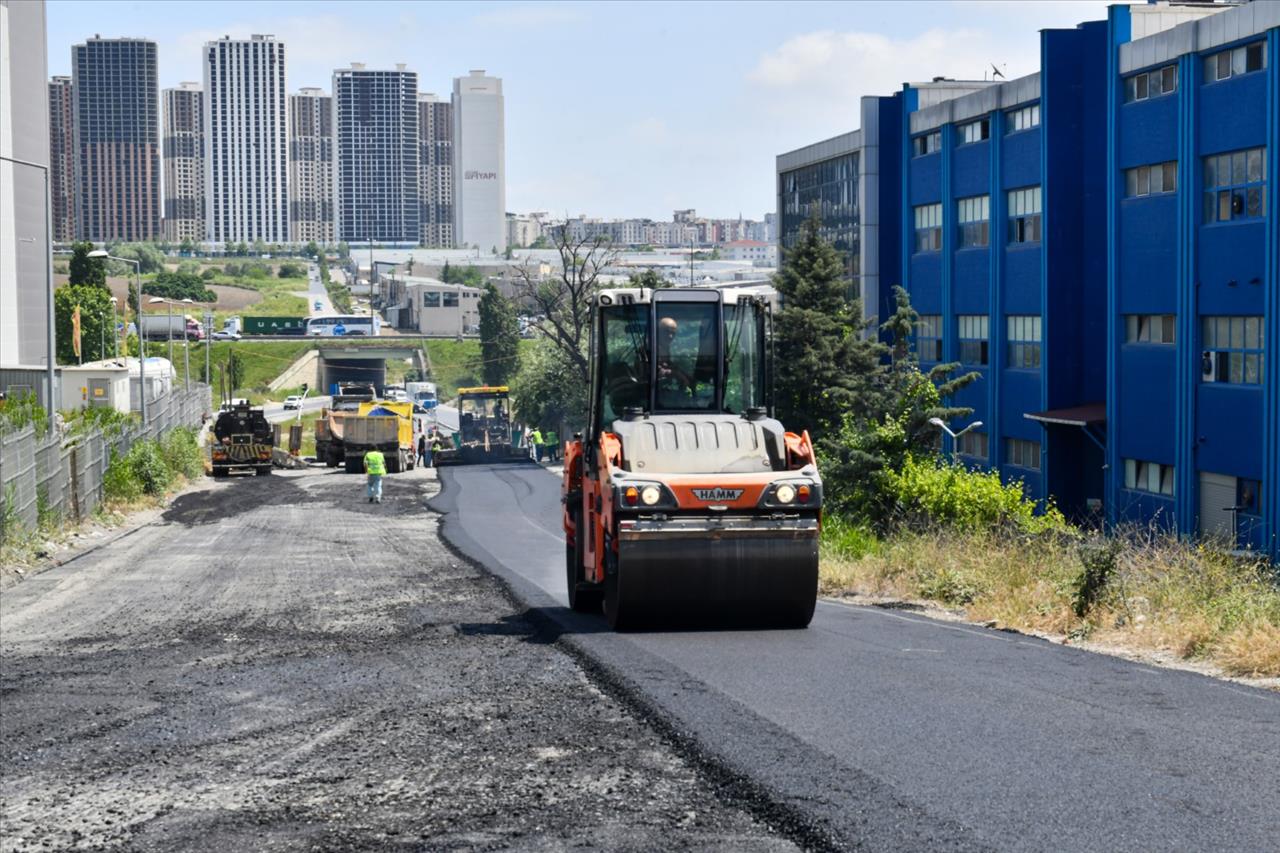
1143	589
456	364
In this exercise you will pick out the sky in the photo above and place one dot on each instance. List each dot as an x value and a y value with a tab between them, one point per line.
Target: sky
617	109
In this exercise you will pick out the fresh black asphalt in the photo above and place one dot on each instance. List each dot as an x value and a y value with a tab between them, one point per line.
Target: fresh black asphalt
890	731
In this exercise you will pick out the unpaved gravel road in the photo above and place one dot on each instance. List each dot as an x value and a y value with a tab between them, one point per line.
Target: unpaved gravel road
278	664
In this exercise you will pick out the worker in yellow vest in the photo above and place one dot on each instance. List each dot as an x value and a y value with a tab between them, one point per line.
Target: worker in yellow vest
375	467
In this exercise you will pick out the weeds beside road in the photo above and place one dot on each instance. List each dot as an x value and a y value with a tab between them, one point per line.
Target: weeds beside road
1139	590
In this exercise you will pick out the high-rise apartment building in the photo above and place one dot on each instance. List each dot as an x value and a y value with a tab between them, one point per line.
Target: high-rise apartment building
246	127
184	147
117	133
62	158
479	162
376	142
435	170
24	251
311	166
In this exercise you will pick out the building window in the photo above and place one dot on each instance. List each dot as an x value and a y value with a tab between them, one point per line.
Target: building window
1023	118
929	337
972	444
1235	185
1022	453
974	131
430	299
1248	496
1024	341
1233	350
1024	215
928	227
974	216
450	300
1153	477
1151	84
1150	329
926	143
1151	180
1234	62
973	332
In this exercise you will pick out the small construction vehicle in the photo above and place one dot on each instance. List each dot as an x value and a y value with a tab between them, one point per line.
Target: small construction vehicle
243	440
484	429
685	501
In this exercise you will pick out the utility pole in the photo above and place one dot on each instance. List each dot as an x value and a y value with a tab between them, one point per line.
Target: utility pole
208	341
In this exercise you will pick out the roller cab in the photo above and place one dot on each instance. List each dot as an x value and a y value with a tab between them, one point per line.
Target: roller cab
686	502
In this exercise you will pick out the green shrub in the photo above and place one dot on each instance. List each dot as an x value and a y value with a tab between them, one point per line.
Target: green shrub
20	410
147	465
106	419
181	452
210	274
118	483
845	540
932	491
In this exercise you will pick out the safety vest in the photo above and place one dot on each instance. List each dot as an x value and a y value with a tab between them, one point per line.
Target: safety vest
535	437
374	463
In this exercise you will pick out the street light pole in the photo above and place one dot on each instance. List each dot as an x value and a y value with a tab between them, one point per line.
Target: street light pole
940	424
48	276
208	341
142	346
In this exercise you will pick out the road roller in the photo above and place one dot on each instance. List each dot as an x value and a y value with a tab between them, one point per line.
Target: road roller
686	503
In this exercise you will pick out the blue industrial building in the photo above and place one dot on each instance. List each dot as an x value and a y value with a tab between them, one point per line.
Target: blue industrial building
1099	241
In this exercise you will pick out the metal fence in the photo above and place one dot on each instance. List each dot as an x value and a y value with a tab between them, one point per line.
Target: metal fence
61	475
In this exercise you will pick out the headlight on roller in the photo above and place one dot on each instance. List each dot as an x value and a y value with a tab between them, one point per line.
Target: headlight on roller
650	495
785	493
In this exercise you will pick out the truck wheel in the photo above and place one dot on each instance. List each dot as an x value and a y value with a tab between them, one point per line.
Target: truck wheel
353	465
393	465
263	471
219	472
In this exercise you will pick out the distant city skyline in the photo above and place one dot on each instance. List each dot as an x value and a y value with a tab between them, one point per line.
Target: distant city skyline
663	117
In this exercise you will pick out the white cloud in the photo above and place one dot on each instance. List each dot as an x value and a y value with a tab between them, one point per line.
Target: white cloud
812	81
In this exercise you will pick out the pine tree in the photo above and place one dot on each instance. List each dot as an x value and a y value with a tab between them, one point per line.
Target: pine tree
84	269
825	366
499	337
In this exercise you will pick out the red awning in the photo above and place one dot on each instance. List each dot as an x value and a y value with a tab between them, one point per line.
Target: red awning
1080	416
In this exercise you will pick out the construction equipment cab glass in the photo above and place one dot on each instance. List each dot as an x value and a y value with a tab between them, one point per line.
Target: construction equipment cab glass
684	352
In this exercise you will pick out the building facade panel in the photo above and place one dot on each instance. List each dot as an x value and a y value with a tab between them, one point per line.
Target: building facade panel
479	162
117	133
435	171
376	145
184	152
246	120
62	158
311	209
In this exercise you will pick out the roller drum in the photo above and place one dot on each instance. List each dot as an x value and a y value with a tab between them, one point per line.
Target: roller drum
751	576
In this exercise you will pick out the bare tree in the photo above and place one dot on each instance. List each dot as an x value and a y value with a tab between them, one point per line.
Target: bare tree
563	299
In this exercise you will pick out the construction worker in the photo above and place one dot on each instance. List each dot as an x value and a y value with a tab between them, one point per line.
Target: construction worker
553	445
437	444
424	454
535	444
375	467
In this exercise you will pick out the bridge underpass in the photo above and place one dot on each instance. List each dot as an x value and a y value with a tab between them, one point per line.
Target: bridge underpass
340	363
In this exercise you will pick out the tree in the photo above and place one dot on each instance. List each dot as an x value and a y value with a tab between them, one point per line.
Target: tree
311	250
825	365
344	250
548	389
499	337
150	259
84	269
186	248
446	272
563	300
95	322
648	278
235	370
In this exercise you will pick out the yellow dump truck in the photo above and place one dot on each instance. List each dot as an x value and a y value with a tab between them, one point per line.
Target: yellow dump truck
382	424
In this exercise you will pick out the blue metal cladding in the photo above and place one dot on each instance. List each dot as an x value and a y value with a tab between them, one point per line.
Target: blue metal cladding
1269	535
1165	258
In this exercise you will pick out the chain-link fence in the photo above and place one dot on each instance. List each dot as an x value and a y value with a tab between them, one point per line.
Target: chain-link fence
61	475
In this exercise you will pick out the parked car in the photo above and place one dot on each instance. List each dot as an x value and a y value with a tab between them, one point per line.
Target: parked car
225	335
293	401
319	305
